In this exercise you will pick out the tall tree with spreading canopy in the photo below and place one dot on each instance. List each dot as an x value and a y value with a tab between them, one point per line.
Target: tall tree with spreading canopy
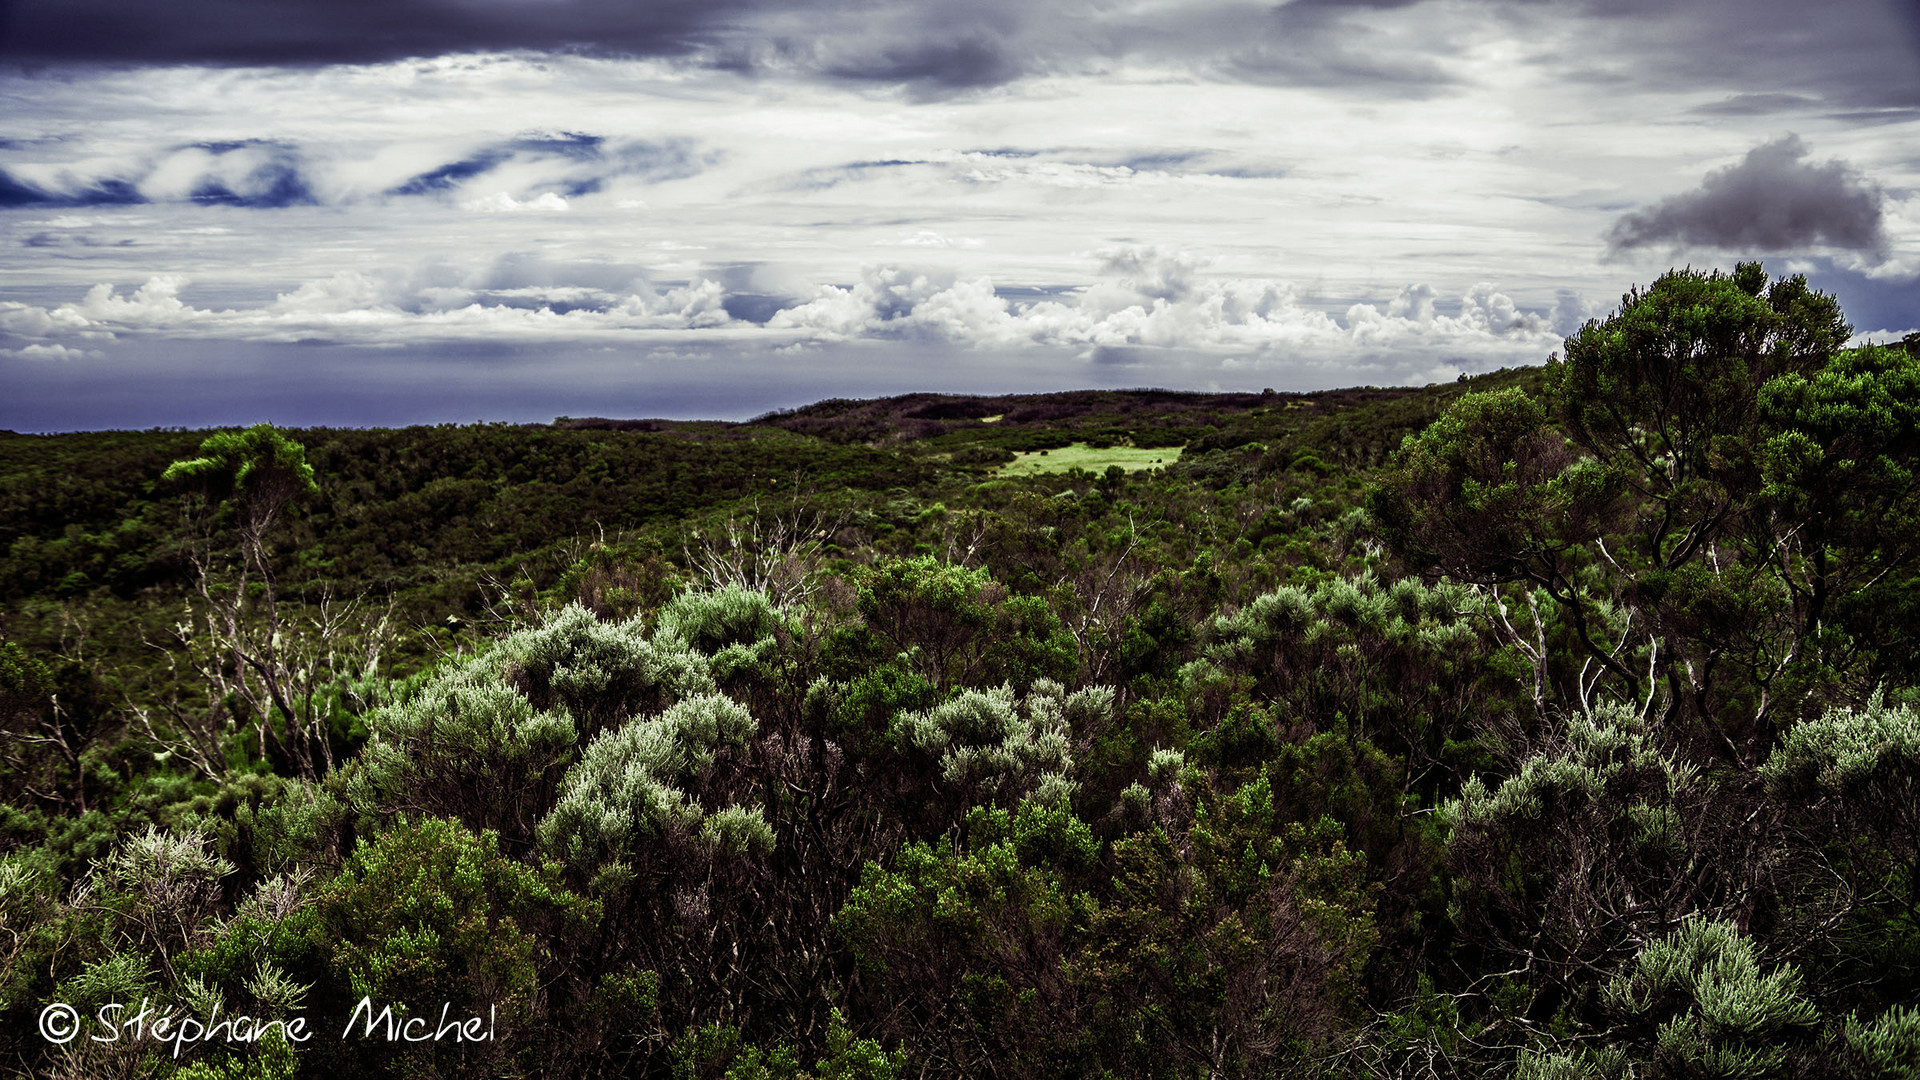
1712	479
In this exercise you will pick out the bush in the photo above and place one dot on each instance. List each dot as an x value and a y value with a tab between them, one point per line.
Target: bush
432	913
486	739
631	786
988	750
1701	1006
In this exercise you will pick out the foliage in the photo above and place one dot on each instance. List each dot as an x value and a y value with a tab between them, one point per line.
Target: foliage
1723	481
627	789
1711	1010
431	913
1574	738
487	738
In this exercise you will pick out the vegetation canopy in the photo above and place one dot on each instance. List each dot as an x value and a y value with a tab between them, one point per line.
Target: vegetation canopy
1554	723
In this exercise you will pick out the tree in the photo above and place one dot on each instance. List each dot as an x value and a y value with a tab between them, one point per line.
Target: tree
1711	478
278	673
1717	400
1840	469
51	727
258	472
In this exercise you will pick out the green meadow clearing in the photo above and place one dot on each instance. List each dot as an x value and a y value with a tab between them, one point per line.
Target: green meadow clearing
1092	459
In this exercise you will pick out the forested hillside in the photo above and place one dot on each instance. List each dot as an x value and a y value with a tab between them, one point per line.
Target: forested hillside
1559	723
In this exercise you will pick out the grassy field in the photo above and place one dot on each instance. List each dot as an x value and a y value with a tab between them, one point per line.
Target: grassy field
1092	459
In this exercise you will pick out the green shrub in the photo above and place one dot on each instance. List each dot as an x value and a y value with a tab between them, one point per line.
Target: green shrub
433	914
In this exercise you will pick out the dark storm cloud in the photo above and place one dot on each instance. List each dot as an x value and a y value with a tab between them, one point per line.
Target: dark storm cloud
344	31
948	65
1317	59
1122	356
1758	105
1852	53
1345	44
933	46
1344	5
1868	117
1773	200
1848	54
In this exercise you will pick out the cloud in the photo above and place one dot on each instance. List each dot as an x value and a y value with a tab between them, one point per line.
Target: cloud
1073	169
27	320
319	32
274	174
382	310
1571	312
247	172
18	190
1772	201
1147	300
51	352
937	65
501	201
1853	53
69	239
1758	105
1142	303
569	163
244	173
933	239
450	175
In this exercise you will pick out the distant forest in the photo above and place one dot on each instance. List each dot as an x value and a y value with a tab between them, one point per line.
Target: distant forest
1558	723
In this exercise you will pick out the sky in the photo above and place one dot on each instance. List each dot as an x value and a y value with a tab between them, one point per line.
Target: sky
381	212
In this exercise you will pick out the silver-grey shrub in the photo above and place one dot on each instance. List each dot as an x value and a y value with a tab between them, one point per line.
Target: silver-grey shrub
486	739
1714	1011
990	747
601	673
1601	839
637	784
1851	755
710	621
1887	1048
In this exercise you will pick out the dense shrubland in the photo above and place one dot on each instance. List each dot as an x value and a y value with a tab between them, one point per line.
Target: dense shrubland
1561	724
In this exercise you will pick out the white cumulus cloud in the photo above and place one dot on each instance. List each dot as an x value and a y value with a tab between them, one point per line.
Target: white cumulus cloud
500	201
50	352
1150	299
1140	303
